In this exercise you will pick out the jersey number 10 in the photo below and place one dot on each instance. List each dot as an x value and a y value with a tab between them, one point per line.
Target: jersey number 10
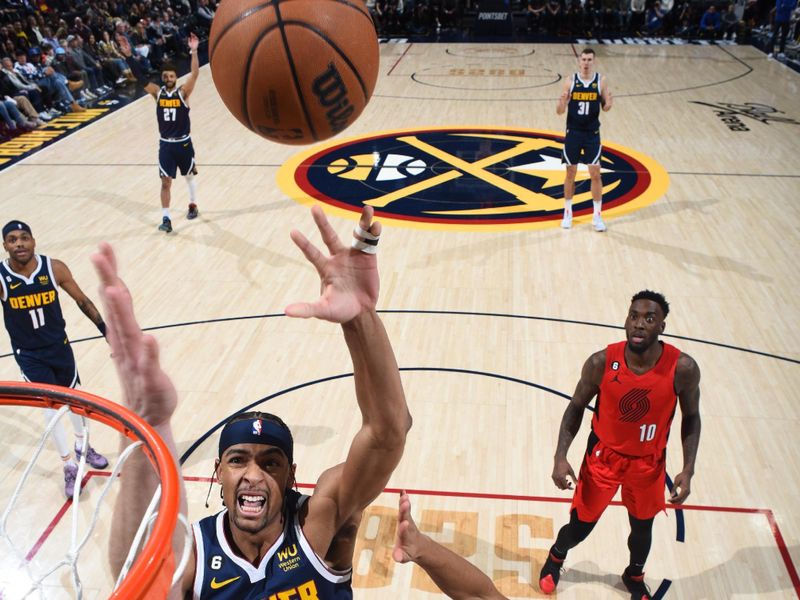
648	432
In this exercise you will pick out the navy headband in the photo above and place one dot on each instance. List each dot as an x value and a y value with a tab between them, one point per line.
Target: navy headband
256	431
15	226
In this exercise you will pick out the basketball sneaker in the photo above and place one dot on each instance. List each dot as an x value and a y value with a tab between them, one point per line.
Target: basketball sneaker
550	574
566	222
94	458
636	586
70	476
166	225
193	212
597	223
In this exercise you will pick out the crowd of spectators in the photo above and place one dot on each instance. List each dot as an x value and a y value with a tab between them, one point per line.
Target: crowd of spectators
691	19
59	56
62	56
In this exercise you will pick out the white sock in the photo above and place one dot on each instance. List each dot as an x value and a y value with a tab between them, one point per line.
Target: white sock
59	435
192	188
77	424
598	205
568	206
165	212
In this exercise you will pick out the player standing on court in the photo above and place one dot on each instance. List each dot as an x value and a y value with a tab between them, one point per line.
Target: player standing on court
175	150
584	94
638	383
32	315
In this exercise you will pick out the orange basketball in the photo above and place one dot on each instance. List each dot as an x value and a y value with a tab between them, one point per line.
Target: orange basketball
294	71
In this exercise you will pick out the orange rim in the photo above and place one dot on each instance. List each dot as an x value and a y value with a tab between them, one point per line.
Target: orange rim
152	571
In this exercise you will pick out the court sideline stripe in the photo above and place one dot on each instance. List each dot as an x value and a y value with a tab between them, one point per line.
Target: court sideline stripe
402	56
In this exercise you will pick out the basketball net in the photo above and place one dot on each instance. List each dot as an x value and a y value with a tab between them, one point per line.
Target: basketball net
31	583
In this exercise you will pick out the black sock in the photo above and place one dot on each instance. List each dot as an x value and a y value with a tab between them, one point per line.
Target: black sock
635	570
639	542
570	535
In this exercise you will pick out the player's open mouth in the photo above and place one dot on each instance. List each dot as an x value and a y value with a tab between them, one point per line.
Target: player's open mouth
251	504
637	339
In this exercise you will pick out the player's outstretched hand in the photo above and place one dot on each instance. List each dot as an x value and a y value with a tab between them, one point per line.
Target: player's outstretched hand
561	471
349	280
193	42
405	543
681	488
149	392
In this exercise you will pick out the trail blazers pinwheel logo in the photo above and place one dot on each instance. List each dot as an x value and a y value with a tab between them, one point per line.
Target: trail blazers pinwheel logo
466	178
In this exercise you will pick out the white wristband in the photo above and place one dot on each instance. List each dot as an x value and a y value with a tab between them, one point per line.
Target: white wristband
364	246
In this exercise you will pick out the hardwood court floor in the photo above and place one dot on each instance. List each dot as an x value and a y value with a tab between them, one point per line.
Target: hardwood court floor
490	327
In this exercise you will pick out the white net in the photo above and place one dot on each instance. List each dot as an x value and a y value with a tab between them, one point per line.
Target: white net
59	576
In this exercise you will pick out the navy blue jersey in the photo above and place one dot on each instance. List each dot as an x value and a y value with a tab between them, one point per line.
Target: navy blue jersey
583	108
172	114
31	310
290	568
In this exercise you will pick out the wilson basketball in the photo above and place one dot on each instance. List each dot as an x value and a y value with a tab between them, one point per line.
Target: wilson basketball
294	71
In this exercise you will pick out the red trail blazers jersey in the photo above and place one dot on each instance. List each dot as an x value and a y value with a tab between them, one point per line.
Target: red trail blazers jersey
634	412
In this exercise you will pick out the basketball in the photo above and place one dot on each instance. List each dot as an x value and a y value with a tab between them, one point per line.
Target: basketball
294	71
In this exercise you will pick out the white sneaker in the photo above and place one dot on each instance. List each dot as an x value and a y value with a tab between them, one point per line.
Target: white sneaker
781	55
566	222
597	223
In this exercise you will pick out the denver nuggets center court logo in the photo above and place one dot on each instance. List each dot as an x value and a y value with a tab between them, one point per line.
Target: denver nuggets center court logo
466	178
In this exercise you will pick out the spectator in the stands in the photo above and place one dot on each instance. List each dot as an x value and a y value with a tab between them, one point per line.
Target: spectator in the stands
730	23
175	37
420	18
34	30
153	52
89	69
655	19
62	31
49	38
139	62
204	14
22	40
60	99
534	15
553	16
57	59
710	23
159	36
13	120
574	17
780	26
109	55
54	84
638	15
79	28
